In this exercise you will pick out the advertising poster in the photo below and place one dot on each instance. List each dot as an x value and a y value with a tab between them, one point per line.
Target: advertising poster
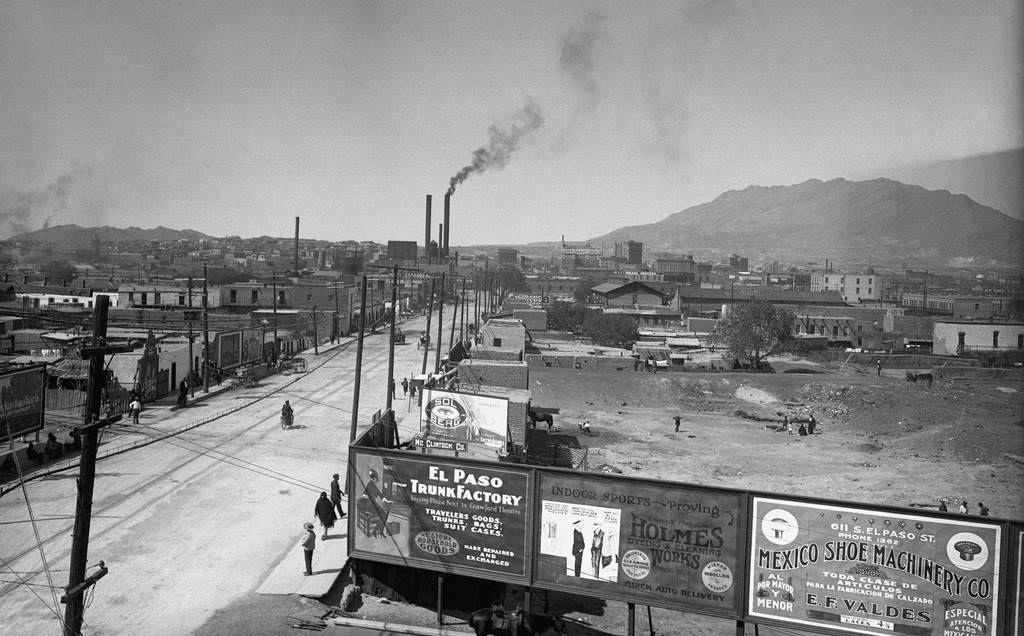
469	518
661	544
22	394
866	571
252	345
464	417
229	349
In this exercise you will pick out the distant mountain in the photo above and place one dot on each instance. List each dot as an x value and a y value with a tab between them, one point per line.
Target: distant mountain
993	179
78	237
877	223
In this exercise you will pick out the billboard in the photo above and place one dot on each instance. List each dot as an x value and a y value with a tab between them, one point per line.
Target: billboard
22	393
1017	575
229	349
657	543
252	345
479	420
468	518
849	569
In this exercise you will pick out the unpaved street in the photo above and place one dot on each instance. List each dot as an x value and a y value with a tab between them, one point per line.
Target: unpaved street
189	524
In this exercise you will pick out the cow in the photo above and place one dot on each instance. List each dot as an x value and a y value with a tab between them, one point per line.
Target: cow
496	621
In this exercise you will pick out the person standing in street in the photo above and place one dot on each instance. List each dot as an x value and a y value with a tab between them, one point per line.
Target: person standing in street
336	496
324	511
677	420
308	544
878	366
183	392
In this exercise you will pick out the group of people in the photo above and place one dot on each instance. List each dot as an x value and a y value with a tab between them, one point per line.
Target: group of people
803	429
983	510
327	511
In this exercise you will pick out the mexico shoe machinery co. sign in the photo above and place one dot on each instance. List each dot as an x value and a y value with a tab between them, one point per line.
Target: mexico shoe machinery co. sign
808	564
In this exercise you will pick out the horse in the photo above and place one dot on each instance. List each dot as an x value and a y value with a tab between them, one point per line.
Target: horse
923	377
496	621
541	417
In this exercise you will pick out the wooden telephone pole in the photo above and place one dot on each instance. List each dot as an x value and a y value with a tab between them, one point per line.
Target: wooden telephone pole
78	583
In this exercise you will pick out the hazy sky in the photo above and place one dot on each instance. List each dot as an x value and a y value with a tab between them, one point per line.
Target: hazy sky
235	117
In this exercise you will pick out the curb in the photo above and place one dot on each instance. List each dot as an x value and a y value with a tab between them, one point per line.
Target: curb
397	627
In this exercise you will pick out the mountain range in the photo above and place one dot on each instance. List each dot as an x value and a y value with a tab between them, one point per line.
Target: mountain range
78	237
874	223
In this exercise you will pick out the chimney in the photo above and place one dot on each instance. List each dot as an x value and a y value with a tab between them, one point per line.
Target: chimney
426	232
447	208
440	247
296	247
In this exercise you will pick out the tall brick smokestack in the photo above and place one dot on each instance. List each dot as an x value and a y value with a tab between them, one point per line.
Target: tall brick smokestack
296	246
441	227
426	232
447	210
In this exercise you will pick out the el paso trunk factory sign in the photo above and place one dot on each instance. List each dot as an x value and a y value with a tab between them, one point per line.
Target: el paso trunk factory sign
463	517
869	571
660	544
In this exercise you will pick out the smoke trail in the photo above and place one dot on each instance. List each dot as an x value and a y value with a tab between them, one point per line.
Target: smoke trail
503	142
577	48
19	209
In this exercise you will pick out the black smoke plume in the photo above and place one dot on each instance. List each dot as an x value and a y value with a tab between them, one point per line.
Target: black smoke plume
504	140
20	210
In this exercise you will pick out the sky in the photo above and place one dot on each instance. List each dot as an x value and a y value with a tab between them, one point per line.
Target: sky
567	118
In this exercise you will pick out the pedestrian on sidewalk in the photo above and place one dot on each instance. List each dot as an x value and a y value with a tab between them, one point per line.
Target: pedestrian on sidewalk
405	386
135	407
183	392
308	544
963	506
324	511
336	496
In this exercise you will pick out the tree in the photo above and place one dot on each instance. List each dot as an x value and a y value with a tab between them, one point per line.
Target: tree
508	279
610	330
755	330
563	316
59	272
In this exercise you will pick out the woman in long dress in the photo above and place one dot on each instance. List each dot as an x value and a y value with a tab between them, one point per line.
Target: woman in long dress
324	511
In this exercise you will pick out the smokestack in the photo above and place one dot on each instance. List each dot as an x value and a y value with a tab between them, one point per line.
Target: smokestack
447	209
296	247
440	233
426	232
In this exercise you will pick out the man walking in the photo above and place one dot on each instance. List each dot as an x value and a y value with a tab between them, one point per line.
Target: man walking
677	419
135	407
308	544
405	386
336	496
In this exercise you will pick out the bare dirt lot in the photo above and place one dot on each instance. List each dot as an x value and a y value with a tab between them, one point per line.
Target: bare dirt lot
879	440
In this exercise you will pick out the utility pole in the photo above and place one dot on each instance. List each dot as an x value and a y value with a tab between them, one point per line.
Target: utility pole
335	332
359	367
391	344
316	350
206	335
430	314
440	321
455	319
274	277
78	583
188	314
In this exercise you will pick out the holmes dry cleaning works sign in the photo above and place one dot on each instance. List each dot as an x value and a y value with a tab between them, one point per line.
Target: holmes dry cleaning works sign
656	543
465	517
868	571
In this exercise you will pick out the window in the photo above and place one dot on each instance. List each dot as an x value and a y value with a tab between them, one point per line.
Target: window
1020	341
309	298
131	297
144	298
976	306
835	331
181	299
858	280
858	291
255	297
233	296
497	342
156	298
995	339
869	291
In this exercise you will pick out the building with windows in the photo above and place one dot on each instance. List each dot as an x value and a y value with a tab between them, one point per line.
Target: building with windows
507	256
956	337
631	252
853	288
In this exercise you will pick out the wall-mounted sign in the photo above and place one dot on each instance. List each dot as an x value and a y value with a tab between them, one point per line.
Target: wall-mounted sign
868	571
480	420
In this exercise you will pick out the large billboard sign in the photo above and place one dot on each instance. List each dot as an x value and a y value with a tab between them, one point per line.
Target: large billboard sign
252	345
480	420
469	518
22	394
656	543
229	349
1017	576
863	570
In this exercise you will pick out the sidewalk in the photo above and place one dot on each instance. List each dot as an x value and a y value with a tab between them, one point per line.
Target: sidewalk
329	561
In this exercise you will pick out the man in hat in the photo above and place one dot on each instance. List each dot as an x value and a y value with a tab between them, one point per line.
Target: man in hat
336	496
308	545
577	547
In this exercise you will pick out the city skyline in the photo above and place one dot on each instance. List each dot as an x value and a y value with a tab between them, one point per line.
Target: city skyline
232	120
